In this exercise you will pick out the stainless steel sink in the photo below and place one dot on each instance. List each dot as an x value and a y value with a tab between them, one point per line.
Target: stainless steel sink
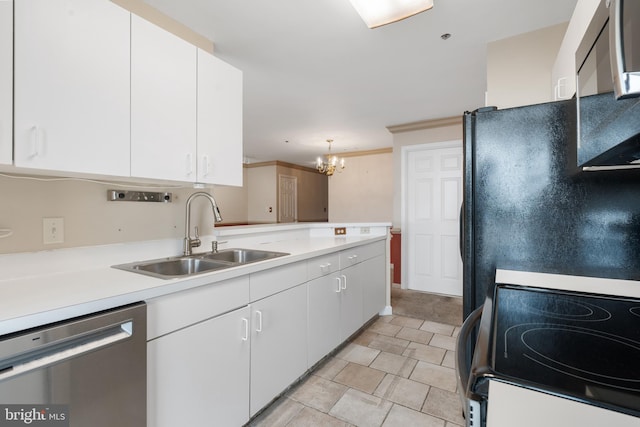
181	266
242	256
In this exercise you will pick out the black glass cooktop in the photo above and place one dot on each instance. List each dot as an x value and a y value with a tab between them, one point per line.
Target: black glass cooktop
582	346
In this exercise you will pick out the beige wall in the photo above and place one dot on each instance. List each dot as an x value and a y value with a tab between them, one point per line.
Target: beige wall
418	133
262	194
363	191
312	193
89	219
519	68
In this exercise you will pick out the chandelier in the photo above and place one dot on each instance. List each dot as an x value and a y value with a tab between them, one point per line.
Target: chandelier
329	164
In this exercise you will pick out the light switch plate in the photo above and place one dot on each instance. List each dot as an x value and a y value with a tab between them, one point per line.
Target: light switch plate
52	230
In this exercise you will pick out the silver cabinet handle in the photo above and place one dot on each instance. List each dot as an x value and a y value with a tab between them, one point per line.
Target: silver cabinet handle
245	323
259	317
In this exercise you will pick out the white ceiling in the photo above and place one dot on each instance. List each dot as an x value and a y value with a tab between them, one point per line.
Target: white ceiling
313	70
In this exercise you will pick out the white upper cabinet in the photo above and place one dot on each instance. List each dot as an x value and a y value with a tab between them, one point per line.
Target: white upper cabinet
72	86
163	104
219	130
6	80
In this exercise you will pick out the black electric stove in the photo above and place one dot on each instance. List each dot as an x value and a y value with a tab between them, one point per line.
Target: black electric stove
582	346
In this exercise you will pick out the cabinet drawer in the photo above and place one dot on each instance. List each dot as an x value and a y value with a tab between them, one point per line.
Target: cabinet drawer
361	253
323	265
274	280
172	312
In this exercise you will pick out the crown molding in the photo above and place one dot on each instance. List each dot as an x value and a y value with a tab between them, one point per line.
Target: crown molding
426	124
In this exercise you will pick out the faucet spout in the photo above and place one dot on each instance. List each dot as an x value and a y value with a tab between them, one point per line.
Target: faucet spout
190	243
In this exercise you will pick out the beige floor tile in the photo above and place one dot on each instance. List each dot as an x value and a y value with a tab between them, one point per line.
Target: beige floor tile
415	335
360	377
384	328
435	375
358	354
449	359
389	344
437	328
309	417
361	409
407	322
331	368
453	425
442	341
279	414
394	364
318	393
456	331
385	319
425	353
399	416
403	391
365	338
444	404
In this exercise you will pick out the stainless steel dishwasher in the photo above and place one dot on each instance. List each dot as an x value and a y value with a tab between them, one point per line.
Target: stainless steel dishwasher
88	371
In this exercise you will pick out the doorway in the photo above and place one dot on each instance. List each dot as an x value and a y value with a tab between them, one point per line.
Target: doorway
287	198
431	199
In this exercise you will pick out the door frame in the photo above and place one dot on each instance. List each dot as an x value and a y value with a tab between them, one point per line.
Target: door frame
404	223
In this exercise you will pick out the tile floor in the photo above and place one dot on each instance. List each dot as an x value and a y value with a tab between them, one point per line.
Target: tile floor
400	371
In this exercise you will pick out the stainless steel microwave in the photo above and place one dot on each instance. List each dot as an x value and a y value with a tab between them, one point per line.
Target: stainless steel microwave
608	88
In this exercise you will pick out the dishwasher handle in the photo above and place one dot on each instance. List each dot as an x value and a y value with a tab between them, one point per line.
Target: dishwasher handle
40	358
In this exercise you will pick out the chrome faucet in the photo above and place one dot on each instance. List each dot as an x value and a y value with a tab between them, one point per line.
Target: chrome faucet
190	243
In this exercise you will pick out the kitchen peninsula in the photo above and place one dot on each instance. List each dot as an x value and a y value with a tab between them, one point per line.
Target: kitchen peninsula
208	334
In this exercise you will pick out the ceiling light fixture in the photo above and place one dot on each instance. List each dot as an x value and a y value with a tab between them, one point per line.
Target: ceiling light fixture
329	164
376	13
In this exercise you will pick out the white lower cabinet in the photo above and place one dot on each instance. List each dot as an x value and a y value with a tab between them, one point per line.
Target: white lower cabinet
209	368
200	375
373	274
324	316
351	318
278	344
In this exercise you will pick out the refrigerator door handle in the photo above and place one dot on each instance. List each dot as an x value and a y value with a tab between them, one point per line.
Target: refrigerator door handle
461	231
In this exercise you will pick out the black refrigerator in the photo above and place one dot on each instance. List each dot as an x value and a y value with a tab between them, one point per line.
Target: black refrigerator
528	207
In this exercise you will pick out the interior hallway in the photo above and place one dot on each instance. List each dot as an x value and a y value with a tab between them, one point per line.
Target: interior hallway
399	371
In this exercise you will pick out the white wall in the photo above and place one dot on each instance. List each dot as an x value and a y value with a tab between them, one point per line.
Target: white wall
363	191
519	68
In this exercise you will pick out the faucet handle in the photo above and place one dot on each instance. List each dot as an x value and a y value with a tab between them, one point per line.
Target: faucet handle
196	231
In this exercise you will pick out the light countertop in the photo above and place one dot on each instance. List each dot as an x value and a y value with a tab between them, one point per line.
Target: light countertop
49	286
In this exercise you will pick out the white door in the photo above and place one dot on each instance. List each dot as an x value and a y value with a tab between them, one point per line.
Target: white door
287	198
432	204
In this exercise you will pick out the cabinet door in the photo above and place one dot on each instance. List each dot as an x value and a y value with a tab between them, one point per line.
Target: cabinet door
351	318
6	81
200	375
163	104
219	130
374	284
72	86
324	316
278	344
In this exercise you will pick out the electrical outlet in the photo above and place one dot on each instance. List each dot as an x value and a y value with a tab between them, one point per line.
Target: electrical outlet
365	230
340	231
52	230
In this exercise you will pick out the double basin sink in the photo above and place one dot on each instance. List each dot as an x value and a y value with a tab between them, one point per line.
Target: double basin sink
188	265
